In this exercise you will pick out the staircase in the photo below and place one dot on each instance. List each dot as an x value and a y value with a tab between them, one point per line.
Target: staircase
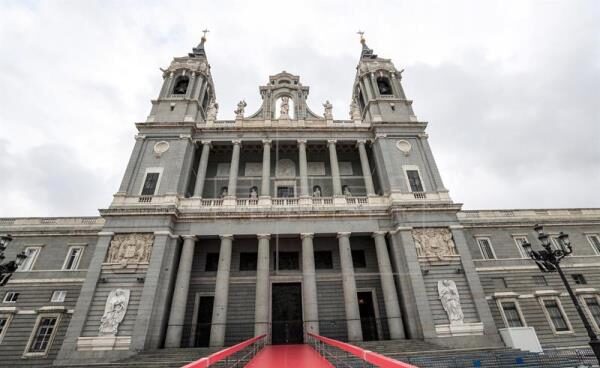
160	358
424	354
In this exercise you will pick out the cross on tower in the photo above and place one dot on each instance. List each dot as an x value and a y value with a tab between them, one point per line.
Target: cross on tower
204	32
361	33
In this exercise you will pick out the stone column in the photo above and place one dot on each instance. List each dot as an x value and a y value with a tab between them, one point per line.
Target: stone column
349	286
233	169
366	168
219	317
261	309
180	294
335	169
303	168
265	190
202	165
309	285
390	297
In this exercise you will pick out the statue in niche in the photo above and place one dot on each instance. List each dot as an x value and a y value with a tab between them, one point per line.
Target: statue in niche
284	110
114	312
130	249
328	110
253	193
317	191
346	191
213	109
224	192
354	111
239	112
434	242
450	299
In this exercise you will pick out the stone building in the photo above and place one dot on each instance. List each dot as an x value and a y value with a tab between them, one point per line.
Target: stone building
284	222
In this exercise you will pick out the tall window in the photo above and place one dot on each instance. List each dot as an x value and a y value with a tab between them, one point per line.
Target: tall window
591	302
43	335
181	86
414	180
73	258
384	86
212	262
511	314
150	183
4	321
31	253
485	245
359	260
519	241
555	315
323	260
594	240
248	261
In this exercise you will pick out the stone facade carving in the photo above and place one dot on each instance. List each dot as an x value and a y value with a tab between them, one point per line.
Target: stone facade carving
434	242
450	299
239	112
213	109
354	111
114	312
284	110
328	114
130	249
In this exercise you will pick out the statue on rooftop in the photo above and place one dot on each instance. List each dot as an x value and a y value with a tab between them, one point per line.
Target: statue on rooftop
213	109
328	110
239	112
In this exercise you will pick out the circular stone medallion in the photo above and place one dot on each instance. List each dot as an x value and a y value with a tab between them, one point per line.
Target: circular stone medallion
160	148
403	146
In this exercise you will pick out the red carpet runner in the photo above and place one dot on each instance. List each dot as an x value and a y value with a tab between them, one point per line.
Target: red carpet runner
288	356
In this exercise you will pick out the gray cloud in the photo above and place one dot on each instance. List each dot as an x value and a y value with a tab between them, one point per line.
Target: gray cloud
510	88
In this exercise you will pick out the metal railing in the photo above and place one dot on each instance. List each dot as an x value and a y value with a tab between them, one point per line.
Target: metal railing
341	354
235	356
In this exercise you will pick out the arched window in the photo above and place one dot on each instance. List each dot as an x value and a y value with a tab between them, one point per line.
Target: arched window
384	86
181	86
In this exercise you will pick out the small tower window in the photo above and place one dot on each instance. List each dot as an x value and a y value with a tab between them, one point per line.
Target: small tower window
181	86
385	88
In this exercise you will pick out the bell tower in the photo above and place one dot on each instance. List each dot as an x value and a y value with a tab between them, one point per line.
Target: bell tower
187	89
377	89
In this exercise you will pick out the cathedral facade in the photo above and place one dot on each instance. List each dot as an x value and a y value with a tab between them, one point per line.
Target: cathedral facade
282	222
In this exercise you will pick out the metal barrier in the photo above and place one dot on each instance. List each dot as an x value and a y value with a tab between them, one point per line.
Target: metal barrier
235	356
342	354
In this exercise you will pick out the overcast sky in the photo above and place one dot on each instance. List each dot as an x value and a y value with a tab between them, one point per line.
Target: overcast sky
510	89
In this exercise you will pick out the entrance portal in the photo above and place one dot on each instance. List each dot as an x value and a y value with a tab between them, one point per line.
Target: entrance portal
205	311
286	314
368	322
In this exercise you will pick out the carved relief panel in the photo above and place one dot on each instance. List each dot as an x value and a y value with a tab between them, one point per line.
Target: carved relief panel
130	249
434	243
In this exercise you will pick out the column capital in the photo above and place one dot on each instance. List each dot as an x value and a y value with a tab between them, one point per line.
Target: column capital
380	136
301	142
360	142
236	142
186	237
343	234
307	235
331	142
377	234
226	236
139	137
206	143
263	236
267	142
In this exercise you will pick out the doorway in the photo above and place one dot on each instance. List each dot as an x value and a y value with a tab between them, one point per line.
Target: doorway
368	320
204	318
286	314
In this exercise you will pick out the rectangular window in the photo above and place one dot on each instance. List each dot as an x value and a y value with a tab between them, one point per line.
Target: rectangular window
579	279
150	183
593	308
212	262
540	280
323	260
499	282
73	258
43	335
4	321
594	240
248	261
512	315
485	245
58	296
556	316
32	254
414	180
519	241
285	192
288	261
359	259
11	297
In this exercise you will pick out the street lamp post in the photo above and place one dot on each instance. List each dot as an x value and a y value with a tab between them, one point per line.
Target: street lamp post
548	260
8	268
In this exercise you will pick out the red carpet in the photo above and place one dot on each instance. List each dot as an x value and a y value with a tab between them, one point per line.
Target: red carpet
282	356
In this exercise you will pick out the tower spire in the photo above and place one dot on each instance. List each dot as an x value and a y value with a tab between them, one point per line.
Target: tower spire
366	52
199	50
